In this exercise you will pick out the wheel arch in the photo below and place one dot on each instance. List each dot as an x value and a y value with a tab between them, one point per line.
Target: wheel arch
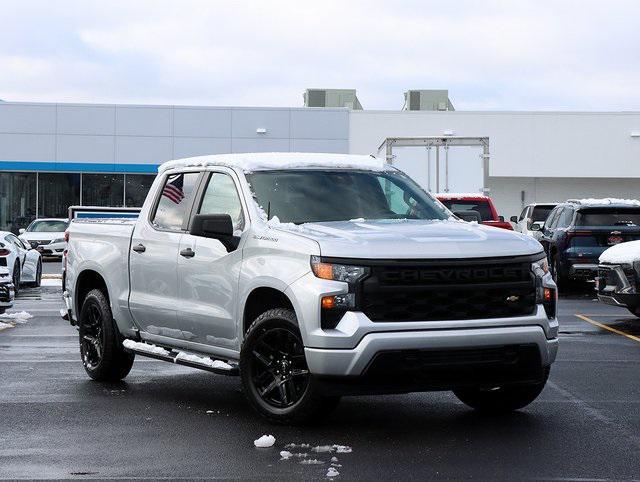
86	281
261	299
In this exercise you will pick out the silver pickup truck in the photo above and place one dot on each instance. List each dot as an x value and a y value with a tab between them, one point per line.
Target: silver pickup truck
313	276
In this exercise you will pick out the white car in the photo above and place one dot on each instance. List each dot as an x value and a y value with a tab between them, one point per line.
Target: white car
23	262
532	214
7	292
46	235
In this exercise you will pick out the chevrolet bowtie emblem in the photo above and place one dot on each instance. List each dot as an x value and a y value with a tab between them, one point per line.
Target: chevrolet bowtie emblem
513	298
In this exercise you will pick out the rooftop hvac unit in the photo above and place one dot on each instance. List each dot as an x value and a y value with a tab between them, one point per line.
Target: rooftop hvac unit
332	98
427	100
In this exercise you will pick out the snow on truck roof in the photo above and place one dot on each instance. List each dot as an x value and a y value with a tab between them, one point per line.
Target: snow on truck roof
265	161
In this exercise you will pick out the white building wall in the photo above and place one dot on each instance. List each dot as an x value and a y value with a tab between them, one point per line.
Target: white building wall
523	144
552	156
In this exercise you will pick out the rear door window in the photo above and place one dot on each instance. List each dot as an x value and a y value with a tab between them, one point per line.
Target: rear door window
553	217
175	200
564	220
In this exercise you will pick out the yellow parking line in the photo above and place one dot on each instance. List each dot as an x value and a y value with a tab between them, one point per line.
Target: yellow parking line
605	327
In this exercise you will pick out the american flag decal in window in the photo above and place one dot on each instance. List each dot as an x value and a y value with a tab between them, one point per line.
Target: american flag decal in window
173	190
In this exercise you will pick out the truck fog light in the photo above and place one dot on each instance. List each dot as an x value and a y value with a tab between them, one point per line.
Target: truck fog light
338	301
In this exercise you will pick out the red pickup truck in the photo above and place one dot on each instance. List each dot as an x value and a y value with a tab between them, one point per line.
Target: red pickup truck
474	202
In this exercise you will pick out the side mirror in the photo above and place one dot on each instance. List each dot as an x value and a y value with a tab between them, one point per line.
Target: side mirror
215	226
501	219
32	244
535	227
469	215
21	231
514	219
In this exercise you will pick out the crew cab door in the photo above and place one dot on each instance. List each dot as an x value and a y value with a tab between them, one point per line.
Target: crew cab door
153	259
207	273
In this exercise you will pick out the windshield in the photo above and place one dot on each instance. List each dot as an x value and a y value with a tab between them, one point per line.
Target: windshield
608	217
52	226
305	196
480	206
541	213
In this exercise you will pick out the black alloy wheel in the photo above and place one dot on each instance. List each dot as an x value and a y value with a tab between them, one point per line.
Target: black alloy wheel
92	338
278	368
275	376
16	278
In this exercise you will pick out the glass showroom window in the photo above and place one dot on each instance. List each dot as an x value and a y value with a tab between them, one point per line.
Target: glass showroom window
56	192
17	200
137	187
102	190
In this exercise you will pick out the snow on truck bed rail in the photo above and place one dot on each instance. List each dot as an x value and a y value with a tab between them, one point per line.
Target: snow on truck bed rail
623	253
280	160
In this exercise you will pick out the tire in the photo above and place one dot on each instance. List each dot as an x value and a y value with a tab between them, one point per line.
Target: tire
38	280
16	278
635	311
101	350
501	399
274	372
560	280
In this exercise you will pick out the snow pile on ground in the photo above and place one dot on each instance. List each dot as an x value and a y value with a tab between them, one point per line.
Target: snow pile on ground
607	201
311	462
5	325
623	253
145	347
265	441
331	472
280	160
342	449
285	454
19	317
200	360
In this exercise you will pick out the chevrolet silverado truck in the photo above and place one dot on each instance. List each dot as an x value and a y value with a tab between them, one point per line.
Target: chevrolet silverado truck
313	276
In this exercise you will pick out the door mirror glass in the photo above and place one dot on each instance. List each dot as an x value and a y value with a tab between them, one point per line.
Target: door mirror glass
514	219
215	226
536	227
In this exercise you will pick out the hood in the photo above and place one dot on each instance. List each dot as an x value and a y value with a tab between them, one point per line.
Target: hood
41	235
419	239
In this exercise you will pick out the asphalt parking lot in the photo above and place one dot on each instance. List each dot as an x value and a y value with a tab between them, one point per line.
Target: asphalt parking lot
173	422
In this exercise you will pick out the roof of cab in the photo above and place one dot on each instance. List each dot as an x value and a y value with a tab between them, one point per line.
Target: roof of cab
266	161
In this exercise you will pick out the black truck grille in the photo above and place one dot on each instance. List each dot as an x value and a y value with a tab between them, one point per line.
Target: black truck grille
448	290
607	277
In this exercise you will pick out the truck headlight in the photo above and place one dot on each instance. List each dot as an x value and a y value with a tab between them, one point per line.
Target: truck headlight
337	272
540	267
57	240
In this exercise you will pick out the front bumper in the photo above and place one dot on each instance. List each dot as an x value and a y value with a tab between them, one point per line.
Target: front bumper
55	249
617	287
354	362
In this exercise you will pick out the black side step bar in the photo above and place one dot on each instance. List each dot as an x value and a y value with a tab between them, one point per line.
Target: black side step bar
182	358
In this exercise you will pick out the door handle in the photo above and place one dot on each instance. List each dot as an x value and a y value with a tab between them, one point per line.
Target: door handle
188	253
139	248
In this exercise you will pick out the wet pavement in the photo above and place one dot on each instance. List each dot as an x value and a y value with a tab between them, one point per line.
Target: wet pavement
172	422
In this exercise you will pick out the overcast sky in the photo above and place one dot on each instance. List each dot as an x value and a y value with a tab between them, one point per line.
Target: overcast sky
491	55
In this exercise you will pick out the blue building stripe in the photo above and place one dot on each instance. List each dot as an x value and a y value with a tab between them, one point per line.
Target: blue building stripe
77	167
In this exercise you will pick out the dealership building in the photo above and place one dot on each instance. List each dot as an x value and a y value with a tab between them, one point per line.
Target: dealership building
56	155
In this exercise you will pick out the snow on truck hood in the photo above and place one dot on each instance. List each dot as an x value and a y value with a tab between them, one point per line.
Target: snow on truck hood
394	239
280	160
